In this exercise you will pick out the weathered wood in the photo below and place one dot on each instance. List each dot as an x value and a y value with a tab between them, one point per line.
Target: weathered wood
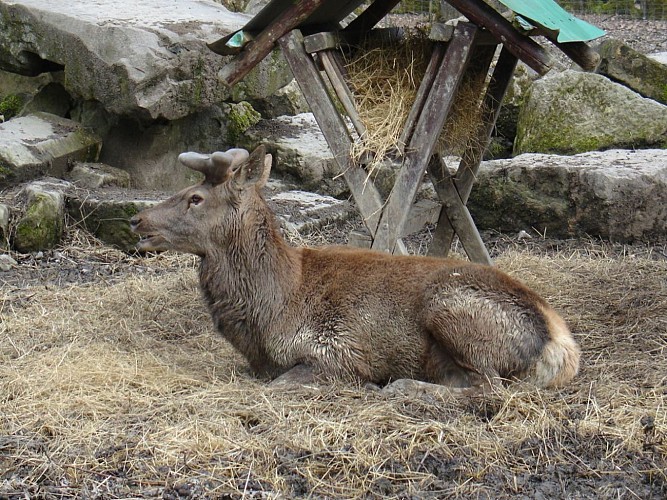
325	40
337	80
260	47
422	144
369	18
472	156
580	53
524	48
432	68
366	196
457	214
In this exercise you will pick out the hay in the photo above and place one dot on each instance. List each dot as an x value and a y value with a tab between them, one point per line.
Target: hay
384	78
122	389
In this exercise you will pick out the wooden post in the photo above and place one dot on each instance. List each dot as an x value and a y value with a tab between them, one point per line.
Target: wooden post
472	157
521	46
365	194
260	47
427	130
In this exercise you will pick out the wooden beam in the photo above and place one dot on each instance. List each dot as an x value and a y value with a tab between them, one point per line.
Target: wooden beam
580	53
366	196
260	47
427	130
337	80
457	214
521	46
370	17
472	156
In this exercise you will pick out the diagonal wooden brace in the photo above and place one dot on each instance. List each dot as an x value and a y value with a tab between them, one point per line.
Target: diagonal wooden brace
426	132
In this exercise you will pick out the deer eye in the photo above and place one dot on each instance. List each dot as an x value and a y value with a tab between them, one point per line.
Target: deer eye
195	199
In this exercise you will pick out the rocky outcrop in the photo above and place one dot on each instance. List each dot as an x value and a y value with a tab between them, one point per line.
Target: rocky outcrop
619	195
573	112
42	144
633	69
142	78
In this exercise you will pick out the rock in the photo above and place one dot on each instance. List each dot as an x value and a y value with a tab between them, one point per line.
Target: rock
240	117
301	211
41	227
4	226
300	151
150	60
573	112
42	144
96	175
6	262
660	57
287	101
620	195
633	69
106	214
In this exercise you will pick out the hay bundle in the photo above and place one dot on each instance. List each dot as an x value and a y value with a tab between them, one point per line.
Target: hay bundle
384	77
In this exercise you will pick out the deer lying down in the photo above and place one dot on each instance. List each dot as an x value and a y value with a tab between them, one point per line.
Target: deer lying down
349	312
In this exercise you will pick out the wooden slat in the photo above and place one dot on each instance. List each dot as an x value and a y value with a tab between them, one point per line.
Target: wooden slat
432	68
370	17
422	144
366	196
335	75
260	47
472	157
580	53
457	214
521	46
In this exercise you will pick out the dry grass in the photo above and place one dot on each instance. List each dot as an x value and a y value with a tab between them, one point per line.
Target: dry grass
384	78
122	390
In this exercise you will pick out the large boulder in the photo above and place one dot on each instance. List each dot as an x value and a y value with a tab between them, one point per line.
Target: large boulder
619	195
142	78
42	223
573	112
150	59
42	144
633	69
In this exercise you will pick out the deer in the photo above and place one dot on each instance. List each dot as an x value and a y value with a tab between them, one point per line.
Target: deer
340	312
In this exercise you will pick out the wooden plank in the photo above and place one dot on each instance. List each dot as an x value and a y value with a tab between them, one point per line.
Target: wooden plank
457	214
365	194
325	40
427	130
521	46
432	68
369	18
472	157
260	47
335	75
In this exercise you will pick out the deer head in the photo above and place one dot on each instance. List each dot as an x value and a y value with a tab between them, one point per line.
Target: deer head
205	216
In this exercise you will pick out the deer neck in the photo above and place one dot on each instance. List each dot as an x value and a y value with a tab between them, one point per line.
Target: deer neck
248	282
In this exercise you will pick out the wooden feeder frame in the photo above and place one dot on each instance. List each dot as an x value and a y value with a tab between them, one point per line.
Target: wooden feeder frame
466	49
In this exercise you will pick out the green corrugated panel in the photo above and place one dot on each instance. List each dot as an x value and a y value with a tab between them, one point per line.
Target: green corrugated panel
550	15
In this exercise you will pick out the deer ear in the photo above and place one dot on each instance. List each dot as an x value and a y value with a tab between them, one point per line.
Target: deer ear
257	169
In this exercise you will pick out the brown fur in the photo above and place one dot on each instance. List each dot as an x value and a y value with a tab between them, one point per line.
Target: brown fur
348	312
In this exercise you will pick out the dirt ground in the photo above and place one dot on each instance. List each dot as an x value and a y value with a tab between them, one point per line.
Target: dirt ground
113	384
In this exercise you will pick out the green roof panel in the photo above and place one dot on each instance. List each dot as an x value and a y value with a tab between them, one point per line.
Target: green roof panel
551	16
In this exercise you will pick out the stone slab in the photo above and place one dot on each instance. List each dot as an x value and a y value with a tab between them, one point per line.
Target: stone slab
42	144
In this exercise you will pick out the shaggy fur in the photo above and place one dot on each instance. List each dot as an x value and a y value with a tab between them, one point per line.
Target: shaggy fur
350	312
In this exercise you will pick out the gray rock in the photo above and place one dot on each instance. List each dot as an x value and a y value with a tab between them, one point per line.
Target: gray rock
633	69
620	195
288	101
41	226
7	262
148	61
301	211
660	57
4	225
42	144
573	112
96	175
300	151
